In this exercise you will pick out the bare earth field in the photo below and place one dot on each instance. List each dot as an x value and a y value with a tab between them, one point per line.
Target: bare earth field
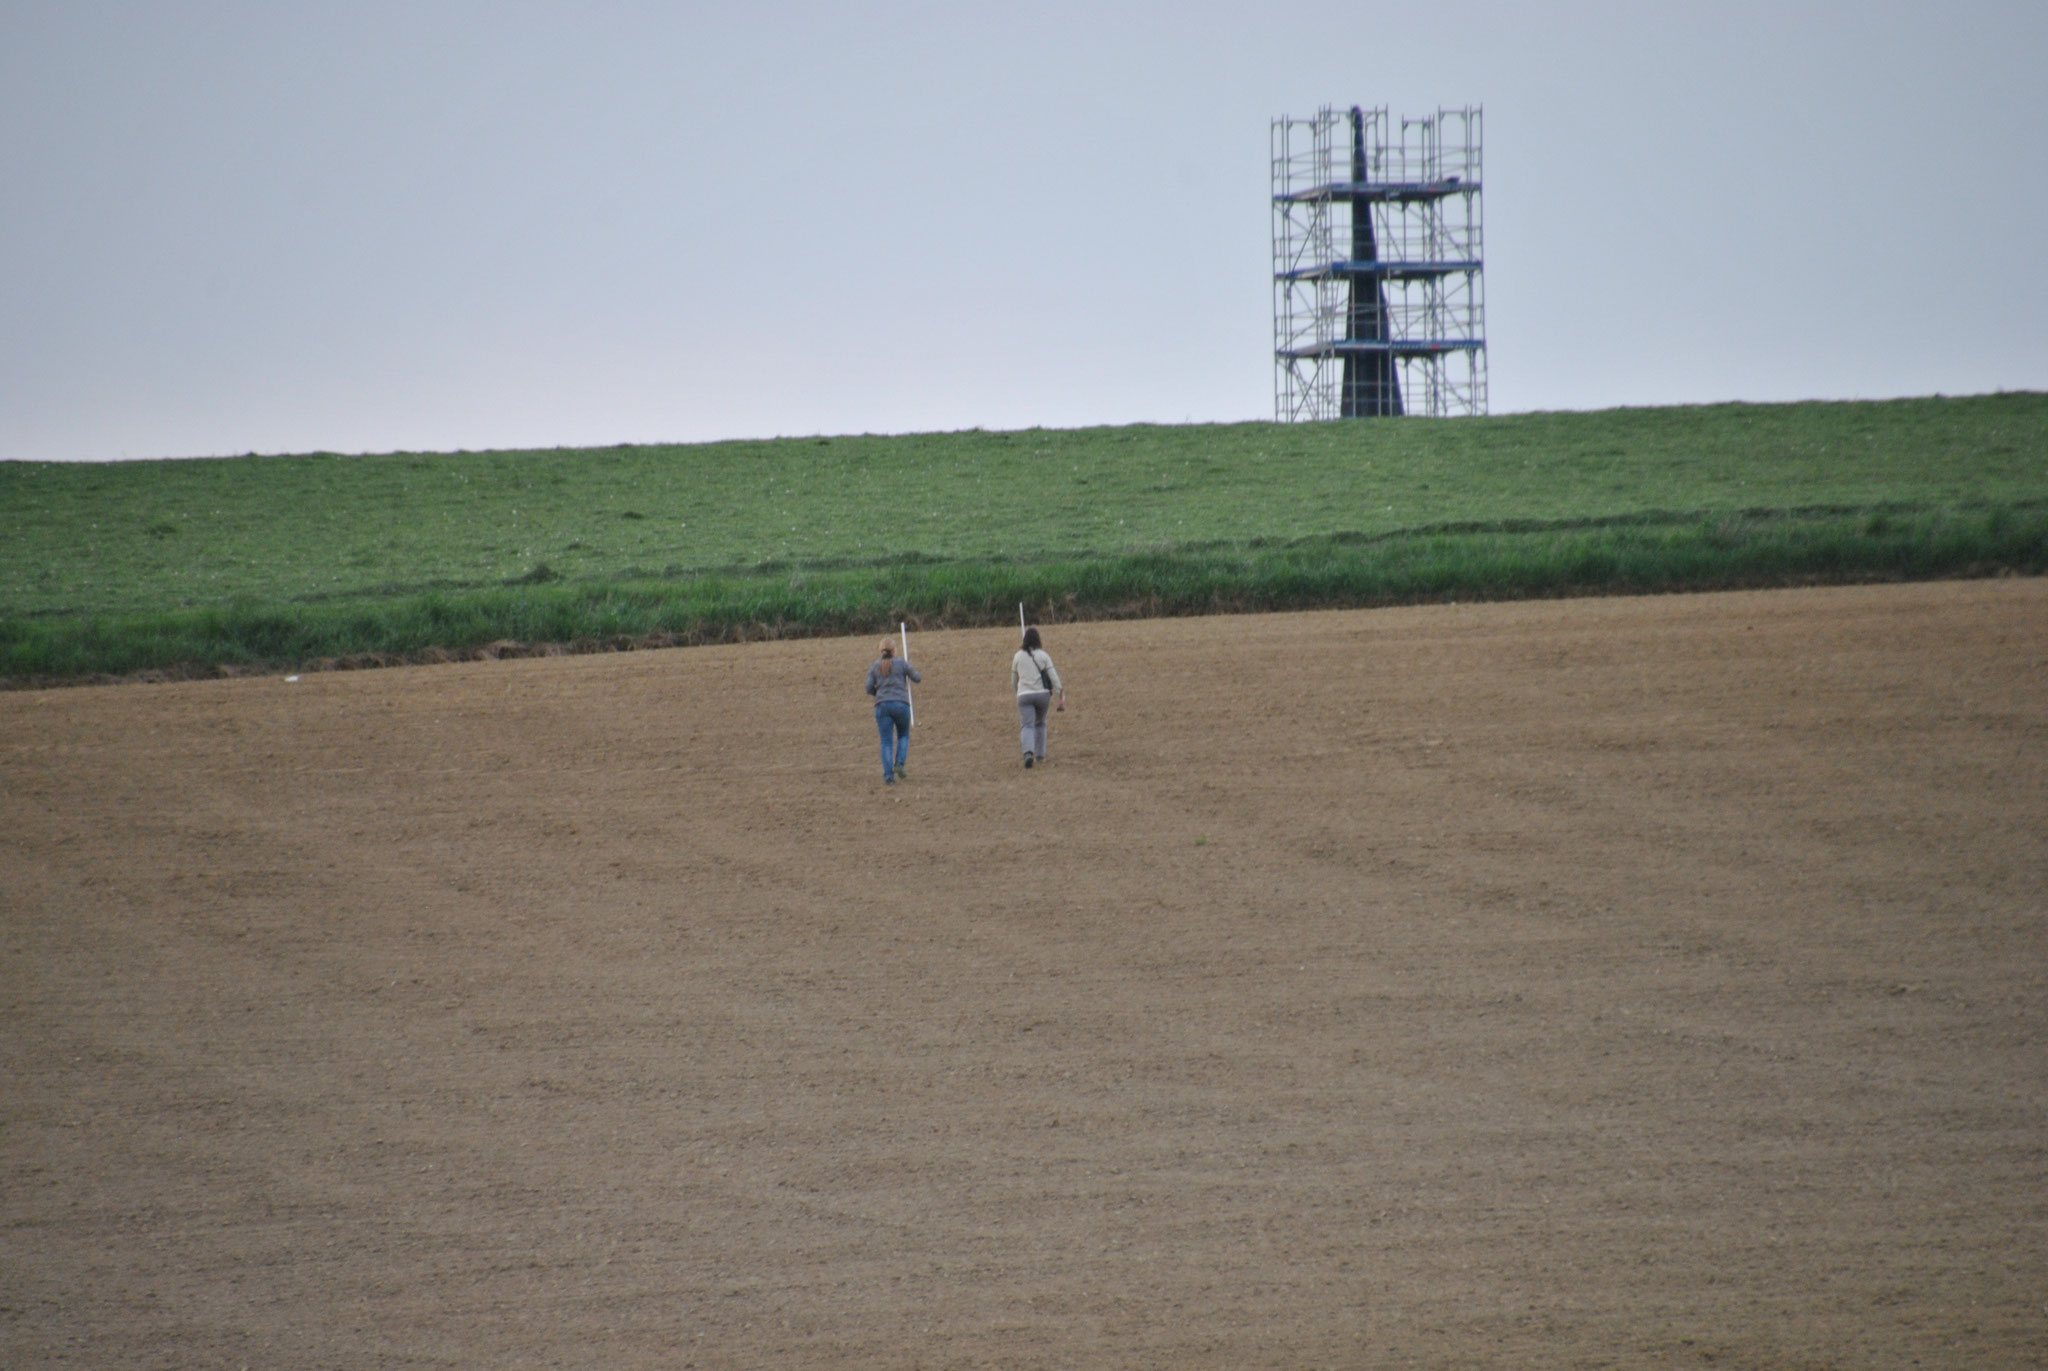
1632	983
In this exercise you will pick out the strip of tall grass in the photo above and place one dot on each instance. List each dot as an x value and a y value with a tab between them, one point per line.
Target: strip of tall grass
1645	554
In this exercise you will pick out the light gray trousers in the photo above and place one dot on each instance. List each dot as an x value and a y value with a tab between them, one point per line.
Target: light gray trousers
1031	709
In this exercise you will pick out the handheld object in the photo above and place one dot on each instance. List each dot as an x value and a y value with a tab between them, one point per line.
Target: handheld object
909	699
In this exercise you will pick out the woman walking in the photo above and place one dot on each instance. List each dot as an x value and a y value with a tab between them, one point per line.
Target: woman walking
888	682
1036	681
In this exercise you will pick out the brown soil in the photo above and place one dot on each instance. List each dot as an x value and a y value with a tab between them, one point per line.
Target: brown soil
1653	982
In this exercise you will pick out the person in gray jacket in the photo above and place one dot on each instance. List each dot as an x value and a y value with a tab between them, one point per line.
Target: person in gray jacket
888	682
1036	681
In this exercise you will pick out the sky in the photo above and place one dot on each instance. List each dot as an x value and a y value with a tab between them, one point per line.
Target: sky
436	225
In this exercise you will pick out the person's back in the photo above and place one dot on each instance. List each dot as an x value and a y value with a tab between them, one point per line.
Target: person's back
889	682
1035	680
1033	670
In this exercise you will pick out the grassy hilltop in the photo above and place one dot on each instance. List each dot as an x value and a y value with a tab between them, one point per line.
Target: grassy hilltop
260	561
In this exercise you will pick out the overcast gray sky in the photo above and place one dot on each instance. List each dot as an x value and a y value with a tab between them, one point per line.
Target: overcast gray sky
232	227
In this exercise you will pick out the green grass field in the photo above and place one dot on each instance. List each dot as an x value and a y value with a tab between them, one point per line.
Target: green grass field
276	560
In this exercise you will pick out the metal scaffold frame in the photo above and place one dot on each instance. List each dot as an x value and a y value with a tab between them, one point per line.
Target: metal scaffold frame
1379	301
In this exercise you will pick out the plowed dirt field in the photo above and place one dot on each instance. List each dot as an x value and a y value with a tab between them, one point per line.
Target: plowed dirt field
1633	983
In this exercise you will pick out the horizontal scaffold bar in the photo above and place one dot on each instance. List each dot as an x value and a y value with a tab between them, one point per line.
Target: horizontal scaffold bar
1396	347
1380	190
1390	271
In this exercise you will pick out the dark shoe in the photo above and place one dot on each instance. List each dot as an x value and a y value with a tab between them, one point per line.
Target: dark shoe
888	780
1027	761
902	773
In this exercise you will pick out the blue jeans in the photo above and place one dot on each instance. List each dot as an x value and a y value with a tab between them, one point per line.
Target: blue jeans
893	719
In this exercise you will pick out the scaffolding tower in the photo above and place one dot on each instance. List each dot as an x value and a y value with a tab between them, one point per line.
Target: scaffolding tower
1379	304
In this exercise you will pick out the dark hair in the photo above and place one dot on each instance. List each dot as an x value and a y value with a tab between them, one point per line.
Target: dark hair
1030	639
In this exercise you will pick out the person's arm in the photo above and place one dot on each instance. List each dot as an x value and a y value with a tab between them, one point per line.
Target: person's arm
912	672
871	678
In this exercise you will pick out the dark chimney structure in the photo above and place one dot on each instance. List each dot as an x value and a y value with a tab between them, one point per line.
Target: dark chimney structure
1371	385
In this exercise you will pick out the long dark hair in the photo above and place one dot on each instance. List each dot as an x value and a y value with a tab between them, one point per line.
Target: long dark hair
1031	643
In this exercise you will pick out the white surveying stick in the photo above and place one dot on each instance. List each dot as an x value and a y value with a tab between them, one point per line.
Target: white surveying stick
1020	616
908	699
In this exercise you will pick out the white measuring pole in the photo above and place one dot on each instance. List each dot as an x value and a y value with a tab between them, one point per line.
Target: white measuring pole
908	698
1020	616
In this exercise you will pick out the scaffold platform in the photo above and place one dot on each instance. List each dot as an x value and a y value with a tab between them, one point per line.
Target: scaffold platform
1393	271
1393	347
1399	191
